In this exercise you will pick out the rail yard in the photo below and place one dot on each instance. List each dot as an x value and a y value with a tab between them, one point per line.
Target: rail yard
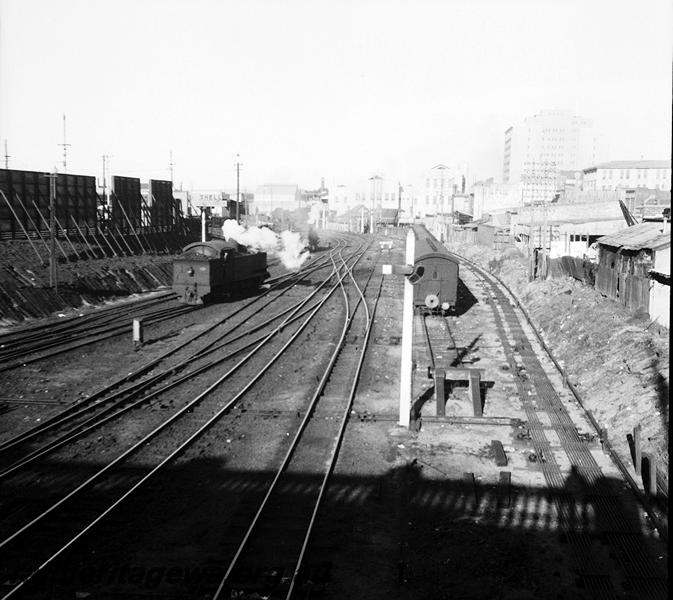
251	448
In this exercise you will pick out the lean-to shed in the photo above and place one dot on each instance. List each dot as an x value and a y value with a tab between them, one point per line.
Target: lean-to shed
633	264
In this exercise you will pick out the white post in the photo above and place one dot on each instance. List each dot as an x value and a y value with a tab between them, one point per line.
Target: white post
203	225
137	333
407	337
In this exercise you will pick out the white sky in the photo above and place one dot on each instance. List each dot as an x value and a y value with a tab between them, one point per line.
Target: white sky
342	89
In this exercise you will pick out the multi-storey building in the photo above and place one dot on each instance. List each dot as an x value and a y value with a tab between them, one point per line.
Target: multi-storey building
429	194
374	193
441	183
491	197
628	174
552	136
539	182
270	196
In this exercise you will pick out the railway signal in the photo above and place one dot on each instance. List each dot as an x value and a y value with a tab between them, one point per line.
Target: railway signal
407	327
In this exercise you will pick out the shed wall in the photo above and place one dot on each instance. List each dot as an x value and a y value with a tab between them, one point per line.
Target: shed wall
660	303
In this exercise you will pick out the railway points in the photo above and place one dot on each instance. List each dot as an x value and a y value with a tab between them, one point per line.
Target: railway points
226	467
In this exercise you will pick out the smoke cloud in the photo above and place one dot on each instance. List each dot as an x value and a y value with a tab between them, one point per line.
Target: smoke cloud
288	246
315	214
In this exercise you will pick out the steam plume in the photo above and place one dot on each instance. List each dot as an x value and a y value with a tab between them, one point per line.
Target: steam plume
288	247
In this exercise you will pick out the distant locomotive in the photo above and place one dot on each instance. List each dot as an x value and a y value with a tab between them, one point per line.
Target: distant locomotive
215	269
435	276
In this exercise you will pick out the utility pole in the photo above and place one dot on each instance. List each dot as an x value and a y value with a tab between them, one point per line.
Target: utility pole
373	179
53	275
106	158
399	200
238	188
7	156
171	164
65	148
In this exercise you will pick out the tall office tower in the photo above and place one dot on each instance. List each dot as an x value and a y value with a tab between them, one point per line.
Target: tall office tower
553	137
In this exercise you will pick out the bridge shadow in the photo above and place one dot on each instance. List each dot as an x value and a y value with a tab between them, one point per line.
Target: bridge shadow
411	530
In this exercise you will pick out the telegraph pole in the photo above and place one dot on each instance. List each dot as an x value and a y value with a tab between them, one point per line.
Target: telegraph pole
374	180
171	164
53	276
238	188
7	156
65	148
106	158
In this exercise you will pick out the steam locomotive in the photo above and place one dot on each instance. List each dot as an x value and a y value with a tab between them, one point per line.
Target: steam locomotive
206	271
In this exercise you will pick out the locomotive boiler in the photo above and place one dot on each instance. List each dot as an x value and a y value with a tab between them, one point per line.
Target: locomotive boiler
206	271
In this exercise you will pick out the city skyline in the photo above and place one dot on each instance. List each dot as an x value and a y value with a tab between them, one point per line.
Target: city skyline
316	89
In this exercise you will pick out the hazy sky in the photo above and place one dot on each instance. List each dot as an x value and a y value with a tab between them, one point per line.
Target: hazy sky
301	89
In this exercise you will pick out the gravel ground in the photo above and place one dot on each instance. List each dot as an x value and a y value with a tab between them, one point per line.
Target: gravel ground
618	363
401	519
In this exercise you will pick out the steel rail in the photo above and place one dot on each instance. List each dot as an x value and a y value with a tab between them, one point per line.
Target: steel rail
36	331
66	343
108	332
641	497
129	393
340	435
112	331
143	441
108	415
97	397
293	444
81	324
166	460
76	323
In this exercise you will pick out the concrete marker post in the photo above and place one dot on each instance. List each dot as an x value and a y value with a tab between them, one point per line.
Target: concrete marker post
407	337
203	225
137	333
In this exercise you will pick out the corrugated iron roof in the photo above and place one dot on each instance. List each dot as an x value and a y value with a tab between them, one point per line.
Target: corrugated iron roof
632	164
638	237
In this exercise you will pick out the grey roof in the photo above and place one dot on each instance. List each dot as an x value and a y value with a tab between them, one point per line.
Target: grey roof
632	164
645	235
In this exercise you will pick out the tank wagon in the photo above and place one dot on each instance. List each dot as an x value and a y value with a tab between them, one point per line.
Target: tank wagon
435	275
215	269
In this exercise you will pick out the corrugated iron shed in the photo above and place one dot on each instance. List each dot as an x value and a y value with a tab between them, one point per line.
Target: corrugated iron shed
638	237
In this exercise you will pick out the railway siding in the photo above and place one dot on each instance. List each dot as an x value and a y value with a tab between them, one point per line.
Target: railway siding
426	513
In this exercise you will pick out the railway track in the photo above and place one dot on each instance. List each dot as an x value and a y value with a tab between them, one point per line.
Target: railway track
47	340
279	532
546	415
71	512
110	399
26	345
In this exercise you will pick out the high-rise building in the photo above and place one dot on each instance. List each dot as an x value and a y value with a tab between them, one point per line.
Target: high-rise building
553	137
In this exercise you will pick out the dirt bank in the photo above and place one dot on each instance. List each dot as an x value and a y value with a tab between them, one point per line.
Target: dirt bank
619	365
